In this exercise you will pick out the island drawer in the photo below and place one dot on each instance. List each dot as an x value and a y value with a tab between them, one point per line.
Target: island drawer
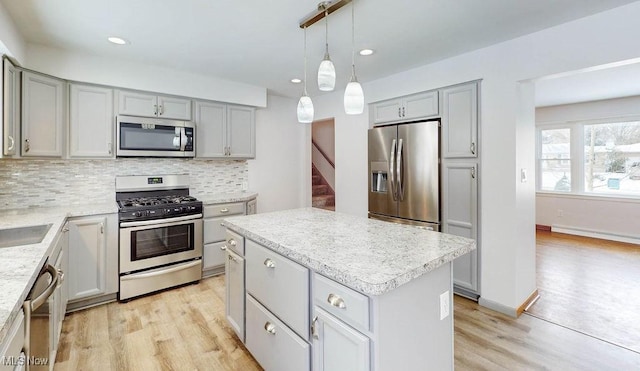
281	285
272	343
341	301
234	208
235	242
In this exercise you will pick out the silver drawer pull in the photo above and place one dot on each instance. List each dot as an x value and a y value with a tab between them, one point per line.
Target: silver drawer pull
270	328
314	330
231	258
224	211
269	263
336	301
223	247
232	242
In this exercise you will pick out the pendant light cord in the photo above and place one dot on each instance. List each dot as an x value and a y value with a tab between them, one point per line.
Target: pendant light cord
353	40
305	61
326	30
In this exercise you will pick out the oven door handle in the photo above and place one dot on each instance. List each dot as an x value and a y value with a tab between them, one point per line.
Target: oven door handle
161	271
160	222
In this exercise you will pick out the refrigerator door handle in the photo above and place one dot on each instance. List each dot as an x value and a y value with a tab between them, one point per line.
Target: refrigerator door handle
399	166
392	160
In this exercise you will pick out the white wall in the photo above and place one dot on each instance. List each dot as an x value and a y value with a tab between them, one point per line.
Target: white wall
279	169
599	216
11	41
126	74
508	206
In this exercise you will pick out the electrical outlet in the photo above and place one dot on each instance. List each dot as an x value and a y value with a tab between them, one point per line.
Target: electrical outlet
444	305
245	186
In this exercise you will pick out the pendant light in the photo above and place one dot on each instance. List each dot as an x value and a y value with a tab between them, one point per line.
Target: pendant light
353	94
326	71
305	105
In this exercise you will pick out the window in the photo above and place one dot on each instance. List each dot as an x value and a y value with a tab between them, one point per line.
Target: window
612	158
555	160
606	158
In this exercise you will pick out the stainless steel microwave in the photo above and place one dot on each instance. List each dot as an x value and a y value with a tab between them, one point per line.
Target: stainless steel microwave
154	137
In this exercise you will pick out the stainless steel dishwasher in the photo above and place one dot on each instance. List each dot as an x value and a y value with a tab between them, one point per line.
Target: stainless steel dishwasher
37	317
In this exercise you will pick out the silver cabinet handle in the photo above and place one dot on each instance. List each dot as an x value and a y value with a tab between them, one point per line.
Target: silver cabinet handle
224	211
223	247
270	328
269	263
403	112
473	173
155	109
399	110
232	242
26	145
336	301
110	147
232	258
314	330
12	141
60	277
473	148
101	228
161	110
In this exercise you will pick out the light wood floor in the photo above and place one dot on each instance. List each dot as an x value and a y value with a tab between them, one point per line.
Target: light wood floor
185	329
589	285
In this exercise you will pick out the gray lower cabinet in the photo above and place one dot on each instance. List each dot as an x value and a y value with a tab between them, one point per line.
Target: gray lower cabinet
337	346
12	347
213	255
93	257
234	283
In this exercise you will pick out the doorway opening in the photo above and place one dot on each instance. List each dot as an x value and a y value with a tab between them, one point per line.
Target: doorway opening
323	168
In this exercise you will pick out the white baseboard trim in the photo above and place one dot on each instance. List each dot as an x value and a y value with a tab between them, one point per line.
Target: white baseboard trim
595	234
512	312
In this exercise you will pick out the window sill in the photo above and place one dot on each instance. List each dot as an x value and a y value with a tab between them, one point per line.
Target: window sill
590	196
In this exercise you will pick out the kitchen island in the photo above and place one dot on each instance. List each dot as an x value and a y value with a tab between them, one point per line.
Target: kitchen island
312	287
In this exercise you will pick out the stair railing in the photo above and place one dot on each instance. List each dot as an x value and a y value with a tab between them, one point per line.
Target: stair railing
323	153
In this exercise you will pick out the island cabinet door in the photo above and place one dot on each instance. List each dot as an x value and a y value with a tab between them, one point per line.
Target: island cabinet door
336	345
234	303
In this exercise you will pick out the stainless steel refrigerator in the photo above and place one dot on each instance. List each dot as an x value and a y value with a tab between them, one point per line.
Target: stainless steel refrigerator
404	173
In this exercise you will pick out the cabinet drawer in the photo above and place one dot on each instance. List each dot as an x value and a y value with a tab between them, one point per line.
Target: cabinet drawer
213	255
341	301
224	209
234	242
280	285
213	231
272	343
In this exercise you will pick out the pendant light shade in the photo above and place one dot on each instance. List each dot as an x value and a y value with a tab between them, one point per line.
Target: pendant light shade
305	105
305	110
353	94
326	71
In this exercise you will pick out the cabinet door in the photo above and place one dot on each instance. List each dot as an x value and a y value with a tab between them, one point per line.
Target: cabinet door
235	297
11	108
87	257
90	121
337	346
460	121
42	115
211	129
460	218
387	111
241	135
213	255
252	207
420	105
137	104
174	108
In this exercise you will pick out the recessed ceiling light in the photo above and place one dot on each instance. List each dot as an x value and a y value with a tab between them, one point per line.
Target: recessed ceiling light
117	40
366	52
296	81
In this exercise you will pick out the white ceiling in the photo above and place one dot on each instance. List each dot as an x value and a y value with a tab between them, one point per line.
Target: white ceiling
260	43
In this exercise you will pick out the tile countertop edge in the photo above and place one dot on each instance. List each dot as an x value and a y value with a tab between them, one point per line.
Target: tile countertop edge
371	289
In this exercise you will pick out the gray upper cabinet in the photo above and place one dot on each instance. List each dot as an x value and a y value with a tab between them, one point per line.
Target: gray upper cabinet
224	131
90	121
11	108
460	121
407	108
151	105
42	115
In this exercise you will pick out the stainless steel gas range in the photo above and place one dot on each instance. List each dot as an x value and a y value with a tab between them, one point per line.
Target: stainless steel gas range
161	238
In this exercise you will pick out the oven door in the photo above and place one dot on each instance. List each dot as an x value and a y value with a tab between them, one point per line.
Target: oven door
153	243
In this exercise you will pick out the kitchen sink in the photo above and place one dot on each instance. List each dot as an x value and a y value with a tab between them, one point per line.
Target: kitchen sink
23	235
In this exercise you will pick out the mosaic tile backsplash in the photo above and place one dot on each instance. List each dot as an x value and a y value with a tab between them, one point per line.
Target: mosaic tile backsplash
30	183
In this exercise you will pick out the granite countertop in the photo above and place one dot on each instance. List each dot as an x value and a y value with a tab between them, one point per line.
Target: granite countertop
209	199
368	255
20	265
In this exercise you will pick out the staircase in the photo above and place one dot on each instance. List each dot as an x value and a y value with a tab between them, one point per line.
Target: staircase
323	196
